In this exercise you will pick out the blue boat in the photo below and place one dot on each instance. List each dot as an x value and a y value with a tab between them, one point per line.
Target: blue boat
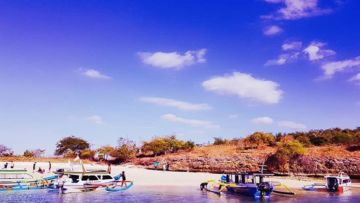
249	184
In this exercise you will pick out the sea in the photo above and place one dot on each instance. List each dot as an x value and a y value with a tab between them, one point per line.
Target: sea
166	194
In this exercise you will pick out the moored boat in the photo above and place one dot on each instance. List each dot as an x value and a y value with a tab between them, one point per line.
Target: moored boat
20	179
249	184
338	183
82	181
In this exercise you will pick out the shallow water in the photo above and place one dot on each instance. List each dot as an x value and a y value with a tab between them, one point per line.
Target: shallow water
165	194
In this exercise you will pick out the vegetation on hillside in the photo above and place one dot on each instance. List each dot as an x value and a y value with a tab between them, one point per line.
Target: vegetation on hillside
168	144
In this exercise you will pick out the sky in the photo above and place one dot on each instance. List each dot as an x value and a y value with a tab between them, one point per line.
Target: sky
200	69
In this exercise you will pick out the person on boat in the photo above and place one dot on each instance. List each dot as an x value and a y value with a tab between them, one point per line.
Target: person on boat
49	166
123	179
12	164
6	165
34	166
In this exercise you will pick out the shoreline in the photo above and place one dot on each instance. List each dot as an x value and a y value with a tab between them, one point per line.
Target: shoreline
145	177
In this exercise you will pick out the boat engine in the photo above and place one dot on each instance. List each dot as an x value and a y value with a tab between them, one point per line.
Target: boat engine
265	187
332	184
203	186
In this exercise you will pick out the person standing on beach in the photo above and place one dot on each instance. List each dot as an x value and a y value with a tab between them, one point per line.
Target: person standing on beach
34	166
49	166
12	164
5	165
109	168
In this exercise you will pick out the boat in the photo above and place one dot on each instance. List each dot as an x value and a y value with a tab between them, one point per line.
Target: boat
81	181
333	183
20	179
119	188
217	187
338	183
249	184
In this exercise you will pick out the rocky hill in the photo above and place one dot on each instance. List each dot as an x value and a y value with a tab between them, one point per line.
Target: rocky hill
231	158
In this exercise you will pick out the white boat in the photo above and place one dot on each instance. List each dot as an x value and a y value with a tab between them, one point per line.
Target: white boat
82	181
339	183
19	179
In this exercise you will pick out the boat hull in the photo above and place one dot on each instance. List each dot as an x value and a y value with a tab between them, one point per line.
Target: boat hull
249	190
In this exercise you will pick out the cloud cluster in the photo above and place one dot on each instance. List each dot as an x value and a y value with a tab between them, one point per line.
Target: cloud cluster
181	105
272	30
294	50
192	122
315	51
265	120
172	60
94	74
331	68
95	119
292	125
296	9
245	86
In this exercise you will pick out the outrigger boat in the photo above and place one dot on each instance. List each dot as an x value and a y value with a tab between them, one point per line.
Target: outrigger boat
249	184
20	179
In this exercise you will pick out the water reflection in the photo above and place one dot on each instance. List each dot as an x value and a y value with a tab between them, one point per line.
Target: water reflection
169	194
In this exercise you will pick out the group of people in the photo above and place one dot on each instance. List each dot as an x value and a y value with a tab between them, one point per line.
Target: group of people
41	170
12	165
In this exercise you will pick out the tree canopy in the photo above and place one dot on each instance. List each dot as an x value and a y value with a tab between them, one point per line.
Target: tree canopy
71	144
5	151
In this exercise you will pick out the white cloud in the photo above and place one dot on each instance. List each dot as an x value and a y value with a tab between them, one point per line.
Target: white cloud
356	78
172	60
297	9
95	119
291	125
331	68
95	74
262	120
315	51
245	86
294	45
233	116
283	59
272	30
175	103
192	122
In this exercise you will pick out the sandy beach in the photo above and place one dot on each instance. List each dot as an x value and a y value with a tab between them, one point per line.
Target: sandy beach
145	177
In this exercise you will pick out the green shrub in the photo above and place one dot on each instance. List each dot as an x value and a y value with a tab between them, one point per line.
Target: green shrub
28	153
169	144
258	139
286	154
219	141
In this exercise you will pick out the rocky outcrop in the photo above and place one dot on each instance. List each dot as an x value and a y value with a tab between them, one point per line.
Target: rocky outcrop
250	160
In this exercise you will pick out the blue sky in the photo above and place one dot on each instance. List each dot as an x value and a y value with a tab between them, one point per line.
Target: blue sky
199	69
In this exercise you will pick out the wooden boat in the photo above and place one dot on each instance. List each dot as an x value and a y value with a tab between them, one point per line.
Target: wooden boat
20	179
249	184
